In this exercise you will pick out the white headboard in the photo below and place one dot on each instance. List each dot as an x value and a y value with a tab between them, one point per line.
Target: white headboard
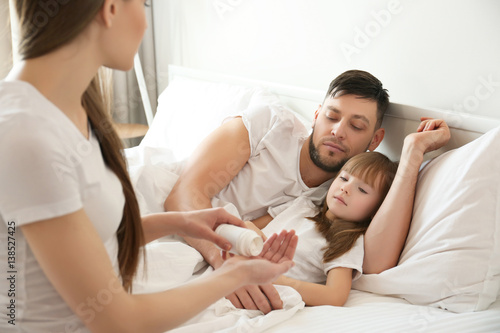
399	120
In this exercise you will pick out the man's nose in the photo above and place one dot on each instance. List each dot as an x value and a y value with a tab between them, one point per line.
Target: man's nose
339	129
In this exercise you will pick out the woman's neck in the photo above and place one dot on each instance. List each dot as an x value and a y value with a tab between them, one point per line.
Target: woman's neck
62	76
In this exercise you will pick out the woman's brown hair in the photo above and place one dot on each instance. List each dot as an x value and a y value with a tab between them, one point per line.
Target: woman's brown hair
46	26
376	170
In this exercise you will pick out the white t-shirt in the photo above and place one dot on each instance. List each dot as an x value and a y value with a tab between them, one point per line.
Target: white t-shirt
272	175
308	257
47	169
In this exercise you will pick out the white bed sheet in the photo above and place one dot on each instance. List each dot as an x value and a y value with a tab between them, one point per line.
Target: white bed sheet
171	263
365	312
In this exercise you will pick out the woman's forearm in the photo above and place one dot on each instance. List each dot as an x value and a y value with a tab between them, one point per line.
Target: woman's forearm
154	227
182	303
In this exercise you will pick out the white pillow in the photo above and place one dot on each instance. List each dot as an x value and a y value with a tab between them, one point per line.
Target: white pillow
451	258
188	110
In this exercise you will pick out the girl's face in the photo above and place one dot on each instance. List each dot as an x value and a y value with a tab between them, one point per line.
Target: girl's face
351	199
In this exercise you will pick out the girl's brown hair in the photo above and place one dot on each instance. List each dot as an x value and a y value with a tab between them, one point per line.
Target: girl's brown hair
376	170
46	26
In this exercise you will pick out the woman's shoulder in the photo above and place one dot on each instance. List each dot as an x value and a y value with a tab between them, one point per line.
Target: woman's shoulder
20	104
17	93
25	115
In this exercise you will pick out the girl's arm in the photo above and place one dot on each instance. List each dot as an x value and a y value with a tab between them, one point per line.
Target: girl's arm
334	292
74	259
385	237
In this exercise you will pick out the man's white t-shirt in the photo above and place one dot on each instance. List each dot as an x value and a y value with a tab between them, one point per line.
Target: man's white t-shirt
48	169
309	265
271	177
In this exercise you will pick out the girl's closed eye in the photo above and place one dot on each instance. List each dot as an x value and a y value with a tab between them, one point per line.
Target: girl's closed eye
344	176
362	190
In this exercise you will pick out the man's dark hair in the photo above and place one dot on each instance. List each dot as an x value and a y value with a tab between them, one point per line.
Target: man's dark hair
364	85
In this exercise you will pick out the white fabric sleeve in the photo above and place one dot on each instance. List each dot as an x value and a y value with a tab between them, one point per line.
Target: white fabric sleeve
303	205
38	179
276	210
301	202
351	259
258	121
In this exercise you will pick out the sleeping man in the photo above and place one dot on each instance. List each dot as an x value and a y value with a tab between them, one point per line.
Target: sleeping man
266	158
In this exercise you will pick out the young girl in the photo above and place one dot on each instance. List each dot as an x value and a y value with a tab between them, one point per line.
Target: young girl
330	250
70	228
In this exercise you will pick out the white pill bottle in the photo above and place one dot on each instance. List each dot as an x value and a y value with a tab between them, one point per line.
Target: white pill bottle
245	242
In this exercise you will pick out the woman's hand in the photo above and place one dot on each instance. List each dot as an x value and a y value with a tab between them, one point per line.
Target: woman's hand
196	224
202	223
279	248
256	271
250	225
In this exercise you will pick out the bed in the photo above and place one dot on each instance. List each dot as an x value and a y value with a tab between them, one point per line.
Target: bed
448	276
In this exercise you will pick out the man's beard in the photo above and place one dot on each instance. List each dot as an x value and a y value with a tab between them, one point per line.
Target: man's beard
316	158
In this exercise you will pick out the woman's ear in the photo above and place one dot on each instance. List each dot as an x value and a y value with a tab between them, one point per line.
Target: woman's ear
108	12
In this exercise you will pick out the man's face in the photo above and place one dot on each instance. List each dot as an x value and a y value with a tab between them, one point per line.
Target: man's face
343	127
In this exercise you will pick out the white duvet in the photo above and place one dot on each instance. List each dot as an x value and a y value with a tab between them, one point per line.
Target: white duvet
171	263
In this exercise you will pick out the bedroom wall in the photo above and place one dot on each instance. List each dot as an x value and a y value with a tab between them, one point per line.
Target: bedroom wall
442	54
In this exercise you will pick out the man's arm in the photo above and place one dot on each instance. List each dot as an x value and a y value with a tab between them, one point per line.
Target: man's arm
214	163
263	221
386	235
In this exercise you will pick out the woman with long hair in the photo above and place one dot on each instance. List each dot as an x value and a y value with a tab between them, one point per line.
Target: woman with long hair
69	215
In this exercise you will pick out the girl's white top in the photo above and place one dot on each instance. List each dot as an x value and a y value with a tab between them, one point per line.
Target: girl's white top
308	258
48	169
